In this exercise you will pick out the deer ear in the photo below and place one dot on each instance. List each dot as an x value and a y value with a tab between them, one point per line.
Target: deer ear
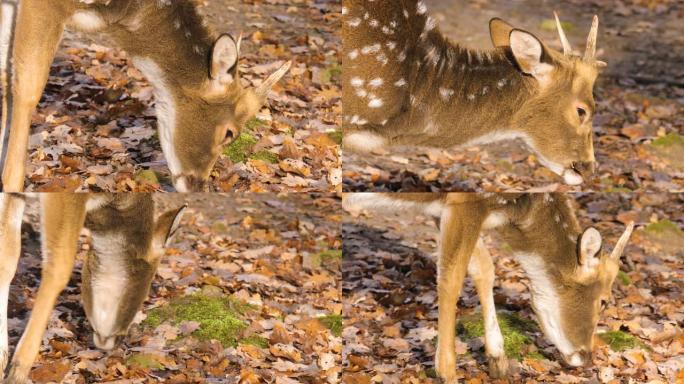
589	246
167	225
499	31
224	56
529	53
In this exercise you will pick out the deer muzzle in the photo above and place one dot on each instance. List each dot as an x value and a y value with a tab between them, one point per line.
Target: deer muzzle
578	172
189	183
106	343
578	359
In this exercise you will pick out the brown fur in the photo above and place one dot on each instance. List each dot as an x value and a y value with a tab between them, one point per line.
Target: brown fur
534	224
62	217
210	112
454	95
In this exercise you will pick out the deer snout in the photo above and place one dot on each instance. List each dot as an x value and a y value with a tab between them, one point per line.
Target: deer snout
189	183
584	168
105	342
580	358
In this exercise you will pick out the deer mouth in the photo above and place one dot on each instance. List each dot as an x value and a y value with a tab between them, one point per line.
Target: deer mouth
572	176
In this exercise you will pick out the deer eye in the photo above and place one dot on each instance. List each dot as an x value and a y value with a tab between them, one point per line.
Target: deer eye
582	113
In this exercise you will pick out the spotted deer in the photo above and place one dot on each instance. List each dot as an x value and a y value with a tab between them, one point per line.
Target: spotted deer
405	84
570	277
127	245
201	104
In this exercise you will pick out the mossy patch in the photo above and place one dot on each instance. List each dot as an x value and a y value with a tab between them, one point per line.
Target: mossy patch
147	175
550	25
619	341
254	123
265	155
334	324
669	140
220	318
513	328
332	72
330	255
662	227
240	148
143	361
623	278
256	341
336	136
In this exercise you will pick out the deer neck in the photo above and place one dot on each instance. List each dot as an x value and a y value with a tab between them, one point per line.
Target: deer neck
465	97
173	36
543	232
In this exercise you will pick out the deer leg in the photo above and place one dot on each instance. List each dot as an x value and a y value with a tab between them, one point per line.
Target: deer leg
38	31
481	269
459	231
11	211
62	217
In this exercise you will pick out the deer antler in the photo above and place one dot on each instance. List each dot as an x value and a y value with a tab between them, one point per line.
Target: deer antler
567	49
590	52
622	242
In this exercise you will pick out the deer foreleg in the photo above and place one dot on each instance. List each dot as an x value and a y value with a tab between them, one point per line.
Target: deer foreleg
39	26
11	212
481	270
459	230
62	217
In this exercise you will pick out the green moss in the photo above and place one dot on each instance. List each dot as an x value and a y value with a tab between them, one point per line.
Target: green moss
336	136
332	72
143	361
330	255
513	328
430	373
624	278
550	25
662	227
333	322
240	147
265	155
254	123
619	341
147	175
256	341
668	140
535	356
219	317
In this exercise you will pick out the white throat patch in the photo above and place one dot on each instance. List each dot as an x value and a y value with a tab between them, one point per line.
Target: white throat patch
545	300
109	282
165	108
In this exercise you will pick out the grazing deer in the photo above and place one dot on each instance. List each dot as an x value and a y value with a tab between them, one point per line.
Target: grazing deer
570	278
406	84
127	244
201	104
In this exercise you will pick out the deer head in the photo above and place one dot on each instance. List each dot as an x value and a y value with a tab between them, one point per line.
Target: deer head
197	121
557	118
117	277
568	297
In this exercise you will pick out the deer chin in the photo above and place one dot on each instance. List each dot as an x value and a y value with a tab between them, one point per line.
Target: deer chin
572	177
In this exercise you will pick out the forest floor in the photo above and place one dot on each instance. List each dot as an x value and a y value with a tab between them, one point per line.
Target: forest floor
268	266
390	301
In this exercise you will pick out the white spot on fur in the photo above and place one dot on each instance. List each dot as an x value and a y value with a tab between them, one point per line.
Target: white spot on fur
375	83
375	103
446	93
495	219
353	54
421	8
363	142
400	83
88	21
96	202
356	82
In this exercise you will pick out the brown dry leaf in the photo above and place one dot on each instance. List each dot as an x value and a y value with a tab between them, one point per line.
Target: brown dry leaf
50	372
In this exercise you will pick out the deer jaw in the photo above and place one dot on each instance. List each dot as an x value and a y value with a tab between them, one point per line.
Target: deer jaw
117	275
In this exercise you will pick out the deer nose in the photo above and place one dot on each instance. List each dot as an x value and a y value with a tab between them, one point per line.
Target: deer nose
584	168
105	342
580	358
190	184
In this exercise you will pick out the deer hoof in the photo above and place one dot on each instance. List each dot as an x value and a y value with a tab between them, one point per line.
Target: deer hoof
498	366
